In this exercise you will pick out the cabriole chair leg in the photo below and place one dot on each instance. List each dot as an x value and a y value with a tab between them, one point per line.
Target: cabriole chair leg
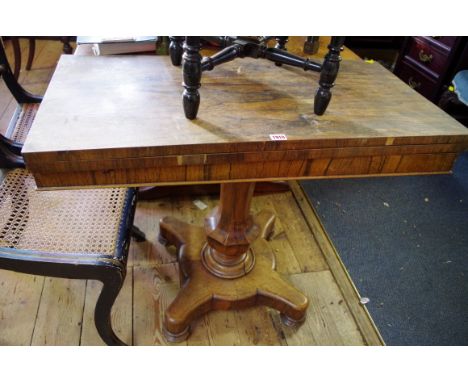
102	314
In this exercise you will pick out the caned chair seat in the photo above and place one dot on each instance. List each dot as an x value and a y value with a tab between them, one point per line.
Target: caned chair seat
79	222
21	122
80	234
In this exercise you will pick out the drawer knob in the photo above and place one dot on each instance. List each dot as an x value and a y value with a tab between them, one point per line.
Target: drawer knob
423	57
413	84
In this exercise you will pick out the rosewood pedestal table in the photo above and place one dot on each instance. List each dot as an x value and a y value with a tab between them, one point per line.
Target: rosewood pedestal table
116	121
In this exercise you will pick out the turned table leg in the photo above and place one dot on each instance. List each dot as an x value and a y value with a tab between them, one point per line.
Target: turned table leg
330	68
224	265
192	71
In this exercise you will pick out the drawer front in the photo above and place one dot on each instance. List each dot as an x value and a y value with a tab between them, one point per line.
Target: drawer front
420	82
429	55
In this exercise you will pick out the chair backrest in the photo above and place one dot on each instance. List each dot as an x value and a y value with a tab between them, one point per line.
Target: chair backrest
20	94
10	151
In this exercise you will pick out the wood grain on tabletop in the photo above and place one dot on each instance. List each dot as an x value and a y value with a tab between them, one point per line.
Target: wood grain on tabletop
374	125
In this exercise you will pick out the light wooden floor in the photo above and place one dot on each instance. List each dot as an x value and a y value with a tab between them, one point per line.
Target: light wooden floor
49	311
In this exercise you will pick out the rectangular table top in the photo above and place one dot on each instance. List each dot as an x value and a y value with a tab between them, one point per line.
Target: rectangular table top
119	121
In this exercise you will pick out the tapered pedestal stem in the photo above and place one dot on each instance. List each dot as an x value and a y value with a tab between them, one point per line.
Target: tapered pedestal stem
227	264
230	230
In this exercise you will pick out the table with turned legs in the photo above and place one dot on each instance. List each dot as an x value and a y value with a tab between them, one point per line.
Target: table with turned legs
253	125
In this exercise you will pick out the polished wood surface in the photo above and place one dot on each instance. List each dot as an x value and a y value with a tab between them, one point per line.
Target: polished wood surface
155	192
374	125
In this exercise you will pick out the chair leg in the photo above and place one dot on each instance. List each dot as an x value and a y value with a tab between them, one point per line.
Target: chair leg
192	71
102	314
67	48
281	44
311	45
176	50
138	234
328	75
446	99
32	51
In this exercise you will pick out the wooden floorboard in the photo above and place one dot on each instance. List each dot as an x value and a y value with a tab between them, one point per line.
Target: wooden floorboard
20	296
60	313
342	277
329	321
45	311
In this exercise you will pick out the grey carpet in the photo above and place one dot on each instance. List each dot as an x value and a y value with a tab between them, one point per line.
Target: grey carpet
404	241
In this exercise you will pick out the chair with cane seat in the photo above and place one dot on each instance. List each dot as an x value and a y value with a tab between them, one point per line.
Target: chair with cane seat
76	234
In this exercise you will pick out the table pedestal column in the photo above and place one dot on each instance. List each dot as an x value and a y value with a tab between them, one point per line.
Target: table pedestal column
227	264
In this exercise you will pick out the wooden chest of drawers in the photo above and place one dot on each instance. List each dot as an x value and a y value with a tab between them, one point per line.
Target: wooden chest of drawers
428	64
